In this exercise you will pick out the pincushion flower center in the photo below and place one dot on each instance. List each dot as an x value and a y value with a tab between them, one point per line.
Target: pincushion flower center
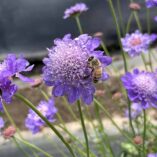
136	41
145	84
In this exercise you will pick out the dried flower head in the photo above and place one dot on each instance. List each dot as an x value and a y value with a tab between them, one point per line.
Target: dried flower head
134	6
10	67
9	132
138	140
151	3
67	67
75	10
34	123
141	88
136	43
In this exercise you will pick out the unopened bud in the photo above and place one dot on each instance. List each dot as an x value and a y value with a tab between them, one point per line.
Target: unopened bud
37	82
99	93
138	140
134	6
116	96
9	132
98	34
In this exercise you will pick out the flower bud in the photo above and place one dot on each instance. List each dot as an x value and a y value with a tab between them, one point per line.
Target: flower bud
116	96
134	6
9	132
99	93
98	34
138	140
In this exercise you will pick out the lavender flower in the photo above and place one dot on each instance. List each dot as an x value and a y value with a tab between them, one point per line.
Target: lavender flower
141	87
151	3
67	69
136	43
34	123
152	155
77	9
1	123
136	110
10	67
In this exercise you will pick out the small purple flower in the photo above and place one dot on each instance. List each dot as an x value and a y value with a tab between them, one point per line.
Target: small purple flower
67	68
13	66
77	9
7	90
34	123
136	110
151	3
141	87
152	155
1	123
10	67
136	43
155	18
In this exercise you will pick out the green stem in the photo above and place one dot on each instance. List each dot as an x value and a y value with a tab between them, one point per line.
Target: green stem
30	105
118	34
19	147
102	128
150	61
144	133
120	16
148	21
79	24
83	126
137	20
34	147
144	61
130	117
129	22
11	120
110	118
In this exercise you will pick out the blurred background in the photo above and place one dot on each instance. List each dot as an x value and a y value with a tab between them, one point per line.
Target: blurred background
30	26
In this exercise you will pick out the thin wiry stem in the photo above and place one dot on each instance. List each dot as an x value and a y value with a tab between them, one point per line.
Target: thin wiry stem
83	126
144	133
30	105
79	24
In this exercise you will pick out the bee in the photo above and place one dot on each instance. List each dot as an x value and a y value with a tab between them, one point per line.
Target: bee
96	67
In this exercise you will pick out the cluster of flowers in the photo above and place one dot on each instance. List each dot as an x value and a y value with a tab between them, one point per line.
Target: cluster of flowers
67	70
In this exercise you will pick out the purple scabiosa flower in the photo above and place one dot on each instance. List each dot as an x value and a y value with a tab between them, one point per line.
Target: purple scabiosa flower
136	43
7	90
136	110
77	9
151	3
67	68
10	67
34	123
141	88
13	66
1	123
152	155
